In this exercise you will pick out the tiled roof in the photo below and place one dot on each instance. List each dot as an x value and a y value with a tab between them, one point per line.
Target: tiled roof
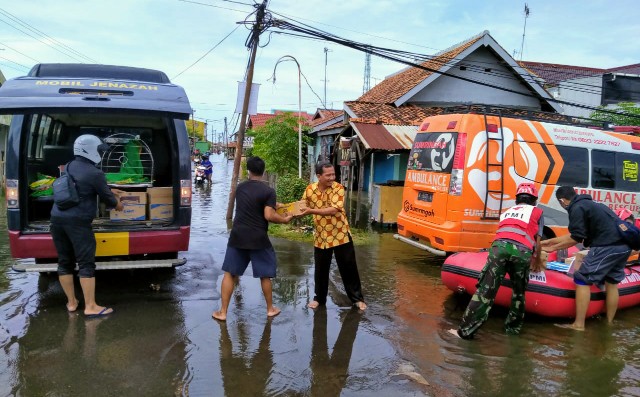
395	86
553	73
258	120
326	115
337	124
629	69
389	114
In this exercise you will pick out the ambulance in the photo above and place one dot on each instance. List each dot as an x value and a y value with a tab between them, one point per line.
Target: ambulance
464	168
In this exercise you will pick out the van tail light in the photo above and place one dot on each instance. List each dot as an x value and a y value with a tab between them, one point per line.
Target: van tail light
185	192
457	173
12	194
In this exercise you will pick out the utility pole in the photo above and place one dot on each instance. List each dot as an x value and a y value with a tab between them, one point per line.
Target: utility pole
226	143
255	38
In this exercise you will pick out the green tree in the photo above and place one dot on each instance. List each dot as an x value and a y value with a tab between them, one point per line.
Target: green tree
631	116
276	142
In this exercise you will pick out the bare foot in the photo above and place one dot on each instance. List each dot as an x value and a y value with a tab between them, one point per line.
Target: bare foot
273	312
361	305
454	332
72	306
219	315
570	326
313	305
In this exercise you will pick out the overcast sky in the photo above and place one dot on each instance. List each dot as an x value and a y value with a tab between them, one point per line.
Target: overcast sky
170	35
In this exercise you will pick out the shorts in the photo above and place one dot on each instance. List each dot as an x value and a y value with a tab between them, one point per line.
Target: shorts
603	264
263	261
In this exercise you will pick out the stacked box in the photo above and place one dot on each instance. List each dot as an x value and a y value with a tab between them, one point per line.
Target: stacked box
160	203
135	205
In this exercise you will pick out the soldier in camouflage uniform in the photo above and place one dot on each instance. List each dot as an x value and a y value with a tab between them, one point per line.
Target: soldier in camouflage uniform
515	251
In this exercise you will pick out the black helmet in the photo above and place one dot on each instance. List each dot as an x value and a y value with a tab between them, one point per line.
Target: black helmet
205	157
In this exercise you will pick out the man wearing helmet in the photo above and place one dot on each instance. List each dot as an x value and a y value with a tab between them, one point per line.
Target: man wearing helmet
516	251
71	228
594	225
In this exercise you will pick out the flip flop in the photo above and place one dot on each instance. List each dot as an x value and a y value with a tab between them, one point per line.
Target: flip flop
101	314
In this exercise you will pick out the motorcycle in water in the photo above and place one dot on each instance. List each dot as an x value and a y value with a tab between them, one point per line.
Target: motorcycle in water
200	175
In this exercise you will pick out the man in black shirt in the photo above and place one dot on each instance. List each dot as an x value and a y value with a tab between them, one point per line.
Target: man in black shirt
71	229
249	242
594	225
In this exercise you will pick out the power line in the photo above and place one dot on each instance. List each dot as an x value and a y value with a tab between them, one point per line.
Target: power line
11	67
19	64
46	36
432	57
206	53
21	53
395	55
211	5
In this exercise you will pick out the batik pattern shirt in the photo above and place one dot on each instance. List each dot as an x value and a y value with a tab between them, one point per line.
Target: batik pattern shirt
329	230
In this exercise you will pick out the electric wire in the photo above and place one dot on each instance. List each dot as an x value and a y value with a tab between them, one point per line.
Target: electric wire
57	45
14	62
206	53
455	60
397	56
21	53
214	6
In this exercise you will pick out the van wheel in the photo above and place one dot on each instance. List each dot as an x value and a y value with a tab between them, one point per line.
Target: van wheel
46	279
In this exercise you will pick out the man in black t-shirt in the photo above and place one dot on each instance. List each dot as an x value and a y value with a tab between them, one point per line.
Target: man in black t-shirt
249	242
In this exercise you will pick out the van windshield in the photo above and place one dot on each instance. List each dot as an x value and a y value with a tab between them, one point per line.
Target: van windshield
433	151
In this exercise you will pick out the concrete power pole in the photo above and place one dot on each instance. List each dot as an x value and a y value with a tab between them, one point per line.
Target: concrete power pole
255	38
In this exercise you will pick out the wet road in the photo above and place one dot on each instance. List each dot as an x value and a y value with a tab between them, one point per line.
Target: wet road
164	342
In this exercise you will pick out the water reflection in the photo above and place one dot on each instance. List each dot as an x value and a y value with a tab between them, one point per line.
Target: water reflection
136	351
245	371
330	367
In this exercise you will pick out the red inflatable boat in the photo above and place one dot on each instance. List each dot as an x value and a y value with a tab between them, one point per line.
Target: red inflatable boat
549	293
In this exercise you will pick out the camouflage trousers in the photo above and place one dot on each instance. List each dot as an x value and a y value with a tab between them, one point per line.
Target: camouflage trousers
504	257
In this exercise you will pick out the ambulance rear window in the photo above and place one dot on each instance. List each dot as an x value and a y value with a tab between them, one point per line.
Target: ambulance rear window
433	151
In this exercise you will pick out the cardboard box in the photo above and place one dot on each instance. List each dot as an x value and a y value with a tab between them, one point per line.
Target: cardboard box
160	195
131	212
160	211
294	208
133	197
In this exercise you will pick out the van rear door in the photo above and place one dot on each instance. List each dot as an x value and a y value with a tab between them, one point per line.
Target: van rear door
428	176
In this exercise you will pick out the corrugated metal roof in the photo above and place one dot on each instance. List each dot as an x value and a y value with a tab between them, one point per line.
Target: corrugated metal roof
404	134
385	137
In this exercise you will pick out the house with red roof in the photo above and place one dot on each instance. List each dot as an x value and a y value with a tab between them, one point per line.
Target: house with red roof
587	86
382	123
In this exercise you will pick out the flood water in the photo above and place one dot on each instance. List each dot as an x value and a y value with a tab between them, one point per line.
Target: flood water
161	341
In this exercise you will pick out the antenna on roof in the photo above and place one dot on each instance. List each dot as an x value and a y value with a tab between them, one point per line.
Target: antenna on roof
367	72
526	15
